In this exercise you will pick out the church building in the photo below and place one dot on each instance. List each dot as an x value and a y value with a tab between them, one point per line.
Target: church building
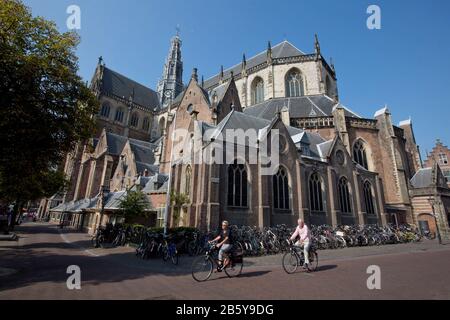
333	165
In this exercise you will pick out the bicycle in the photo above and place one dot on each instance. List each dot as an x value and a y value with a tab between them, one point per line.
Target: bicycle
203	266
170	252
99	238
295	257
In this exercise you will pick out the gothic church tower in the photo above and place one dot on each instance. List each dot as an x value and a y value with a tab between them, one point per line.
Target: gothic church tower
171	83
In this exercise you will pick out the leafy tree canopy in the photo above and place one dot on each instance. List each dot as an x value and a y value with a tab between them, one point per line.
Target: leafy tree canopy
134	204
45	108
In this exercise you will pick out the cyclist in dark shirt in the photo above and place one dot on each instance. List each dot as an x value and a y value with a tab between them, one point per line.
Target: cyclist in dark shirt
224	245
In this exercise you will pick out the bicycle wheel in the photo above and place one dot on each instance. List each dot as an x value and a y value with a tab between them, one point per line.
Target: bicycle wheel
94	241
174	258
202	268
313	261
290	262
234	269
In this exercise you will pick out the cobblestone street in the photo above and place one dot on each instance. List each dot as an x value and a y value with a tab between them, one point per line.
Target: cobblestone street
35	268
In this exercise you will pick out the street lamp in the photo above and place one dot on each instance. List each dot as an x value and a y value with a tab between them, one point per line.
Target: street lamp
432	203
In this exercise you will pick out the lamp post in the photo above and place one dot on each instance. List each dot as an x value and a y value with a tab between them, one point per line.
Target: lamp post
169	184
104	195
432	203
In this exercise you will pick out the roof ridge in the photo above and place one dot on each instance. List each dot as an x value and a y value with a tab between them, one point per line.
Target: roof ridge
128	78
309	99
256	55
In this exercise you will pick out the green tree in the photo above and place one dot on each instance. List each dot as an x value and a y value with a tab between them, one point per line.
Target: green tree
178	200
134	204
45	107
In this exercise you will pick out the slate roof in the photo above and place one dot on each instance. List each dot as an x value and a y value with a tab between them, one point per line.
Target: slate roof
324	148
115	143
423	178
120	86
281	50
299	107
239	120
235	120
160	179
151	168
219	91
75	206
144	154
114	198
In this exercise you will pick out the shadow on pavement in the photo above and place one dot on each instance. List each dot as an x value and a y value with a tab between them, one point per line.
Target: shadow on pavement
326	267
253	274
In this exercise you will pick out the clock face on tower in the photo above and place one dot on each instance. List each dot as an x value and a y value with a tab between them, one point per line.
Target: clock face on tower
168	93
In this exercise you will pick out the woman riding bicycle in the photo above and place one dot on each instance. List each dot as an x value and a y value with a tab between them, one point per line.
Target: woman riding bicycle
224	245
303	232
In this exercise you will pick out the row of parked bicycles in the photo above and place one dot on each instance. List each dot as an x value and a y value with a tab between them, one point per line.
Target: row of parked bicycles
256	242
252	241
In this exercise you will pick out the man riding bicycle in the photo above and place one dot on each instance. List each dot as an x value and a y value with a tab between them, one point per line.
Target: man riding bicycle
302	231
224	245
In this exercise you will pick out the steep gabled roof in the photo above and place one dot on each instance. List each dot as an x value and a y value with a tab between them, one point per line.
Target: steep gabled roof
299	107
116	84
423	178
282	50
115	143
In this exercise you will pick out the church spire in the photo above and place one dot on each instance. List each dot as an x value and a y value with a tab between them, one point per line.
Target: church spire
171	83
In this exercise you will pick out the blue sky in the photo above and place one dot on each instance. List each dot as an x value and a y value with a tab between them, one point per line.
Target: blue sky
405	65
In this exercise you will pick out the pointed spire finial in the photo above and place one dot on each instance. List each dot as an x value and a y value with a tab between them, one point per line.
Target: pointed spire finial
317	44
332	64
178	30
269	53
194	74
232	74
244	65
100	60
221	74
203	82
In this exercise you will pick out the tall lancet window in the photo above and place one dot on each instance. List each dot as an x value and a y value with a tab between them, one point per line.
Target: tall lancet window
344	196
360	154
257	90
315	193
368	198
237	185
281	190
294	84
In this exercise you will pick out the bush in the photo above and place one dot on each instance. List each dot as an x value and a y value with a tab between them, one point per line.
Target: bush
173	230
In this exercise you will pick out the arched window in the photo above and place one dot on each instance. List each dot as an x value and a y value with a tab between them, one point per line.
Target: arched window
134	120
187	185
146	124
106	108
368	198
119	115
315	193
328	87
281	192
294	84
360	154
344	196
257	90
237	185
